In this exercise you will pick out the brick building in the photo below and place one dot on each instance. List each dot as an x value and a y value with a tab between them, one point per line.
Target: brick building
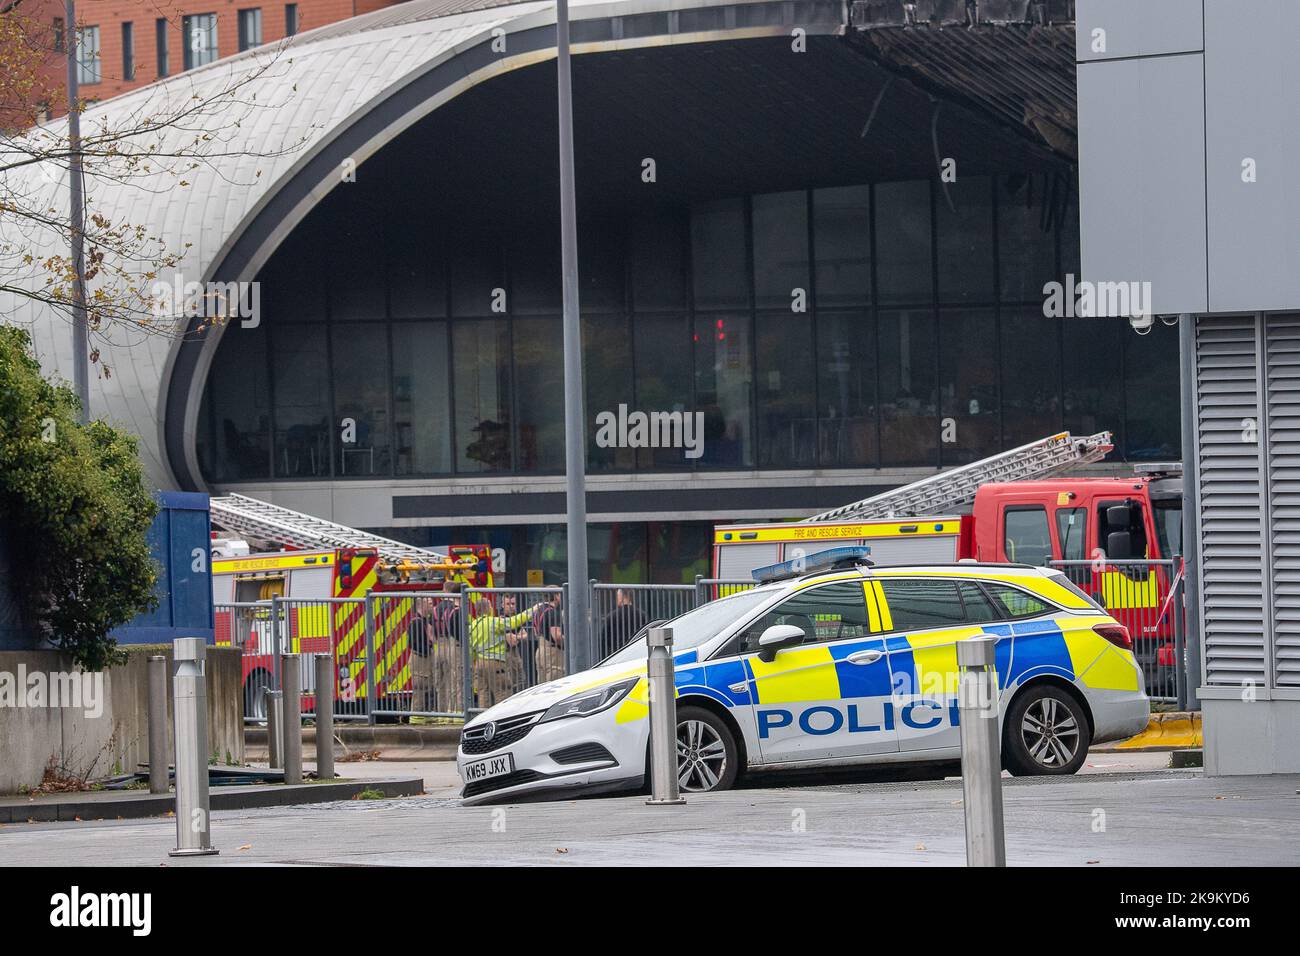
128	43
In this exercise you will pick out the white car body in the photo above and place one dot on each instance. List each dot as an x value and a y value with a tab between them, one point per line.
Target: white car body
810	706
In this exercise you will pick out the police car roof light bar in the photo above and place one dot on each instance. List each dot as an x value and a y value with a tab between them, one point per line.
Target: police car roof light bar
846	557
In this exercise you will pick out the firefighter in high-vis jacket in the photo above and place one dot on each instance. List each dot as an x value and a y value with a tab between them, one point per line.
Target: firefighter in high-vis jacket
493	651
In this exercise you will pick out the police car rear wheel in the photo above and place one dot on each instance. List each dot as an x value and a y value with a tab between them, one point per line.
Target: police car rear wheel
1046	733
706	751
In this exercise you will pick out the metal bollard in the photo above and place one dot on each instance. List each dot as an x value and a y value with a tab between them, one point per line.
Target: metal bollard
663	718
274	730
981	758
324	716
291	716
159	777
189	690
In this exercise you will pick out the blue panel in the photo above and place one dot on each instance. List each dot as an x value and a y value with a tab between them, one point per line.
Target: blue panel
901	664
861	680
184	609
722	675
191	590
158	536
1039	647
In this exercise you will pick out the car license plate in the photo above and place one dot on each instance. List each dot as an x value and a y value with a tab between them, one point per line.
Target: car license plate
491	767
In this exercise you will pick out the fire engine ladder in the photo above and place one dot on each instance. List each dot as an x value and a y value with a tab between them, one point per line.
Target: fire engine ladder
955	487
261	519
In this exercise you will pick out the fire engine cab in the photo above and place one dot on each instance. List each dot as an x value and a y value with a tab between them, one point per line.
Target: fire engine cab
1006	509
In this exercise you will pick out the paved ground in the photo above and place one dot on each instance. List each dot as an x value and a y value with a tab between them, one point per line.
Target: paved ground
1119	818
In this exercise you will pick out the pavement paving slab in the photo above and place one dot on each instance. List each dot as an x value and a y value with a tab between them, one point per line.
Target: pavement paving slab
1154	818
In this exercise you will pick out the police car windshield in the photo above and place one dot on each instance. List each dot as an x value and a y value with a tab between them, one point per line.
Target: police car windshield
694	628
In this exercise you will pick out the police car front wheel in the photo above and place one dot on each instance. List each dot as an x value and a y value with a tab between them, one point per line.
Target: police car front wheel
707	758
1045	732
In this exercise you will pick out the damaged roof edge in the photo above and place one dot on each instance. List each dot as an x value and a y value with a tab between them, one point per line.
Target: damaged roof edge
868	14
1017	75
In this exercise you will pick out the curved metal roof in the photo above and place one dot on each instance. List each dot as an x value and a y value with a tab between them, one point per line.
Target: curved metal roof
318	87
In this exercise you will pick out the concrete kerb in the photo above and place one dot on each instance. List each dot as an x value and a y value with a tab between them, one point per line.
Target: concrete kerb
394	743
1176	730
130	804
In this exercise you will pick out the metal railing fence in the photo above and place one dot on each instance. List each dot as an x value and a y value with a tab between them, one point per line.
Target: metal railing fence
1146	597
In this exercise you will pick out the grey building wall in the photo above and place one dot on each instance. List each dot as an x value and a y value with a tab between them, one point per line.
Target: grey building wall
1194	102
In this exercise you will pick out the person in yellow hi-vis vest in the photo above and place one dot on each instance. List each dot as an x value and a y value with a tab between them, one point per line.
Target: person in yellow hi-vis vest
491	642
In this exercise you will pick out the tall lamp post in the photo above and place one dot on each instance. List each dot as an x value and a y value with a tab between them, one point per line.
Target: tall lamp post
80	333
575	448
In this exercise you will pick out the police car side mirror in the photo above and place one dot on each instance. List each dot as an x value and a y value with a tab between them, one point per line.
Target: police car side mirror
776	638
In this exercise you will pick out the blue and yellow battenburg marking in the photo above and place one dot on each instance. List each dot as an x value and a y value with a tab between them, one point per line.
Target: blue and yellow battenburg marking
917	686
915	680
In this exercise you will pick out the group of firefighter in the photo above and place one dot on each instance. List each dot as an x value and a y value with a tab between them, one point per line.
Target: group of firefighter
510	648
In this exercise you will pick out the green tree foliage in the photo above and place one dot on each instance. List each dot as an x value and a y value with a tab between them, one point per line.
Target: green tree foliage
76	510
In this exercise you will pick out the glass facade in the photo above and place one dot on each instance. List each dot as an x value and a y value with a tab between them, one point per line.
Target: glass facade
884	325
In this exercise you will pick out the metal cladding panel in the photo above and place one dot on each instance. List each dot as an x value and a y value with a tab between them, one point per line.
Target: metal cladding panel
1142	28
934	549
1230	475
1142	178
737	560
1252	130
1282	347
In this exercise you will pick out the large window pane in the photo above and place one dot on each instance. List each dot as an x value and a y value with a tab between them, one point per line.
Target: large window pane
417	278
235	421
421	393
292	285
723	389
356	257
477	279
200	35
481	380
1070	234
607	374
718	255
1151	394
657	248
535	272
679	550
619	551
662	345
787	399
1094	375
780	249
601	272
846	370
302	408
909	424
965	237
361	377
89	69
903	267
539	370
968	367
842	239
1026	243
1031	377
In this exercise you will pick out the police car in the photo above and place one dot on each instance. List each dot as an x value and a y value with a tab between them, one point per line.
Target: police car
826	662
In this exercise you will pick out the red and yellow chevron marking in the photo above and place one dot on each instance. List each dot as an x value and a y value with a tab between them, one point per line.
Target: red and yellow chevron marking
392	645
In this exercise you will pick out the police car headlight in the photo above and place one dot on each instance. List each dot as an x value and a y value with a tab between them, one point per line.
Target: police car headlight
590	701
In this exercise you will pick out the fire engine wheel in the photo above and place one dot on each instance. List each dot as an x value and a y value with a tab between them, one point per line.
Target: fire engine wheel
255	695
1045	733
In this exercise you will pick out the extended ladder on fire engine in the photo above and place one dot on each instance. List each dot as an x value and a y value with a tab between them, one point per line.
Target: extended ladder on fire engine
957	486
261	519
